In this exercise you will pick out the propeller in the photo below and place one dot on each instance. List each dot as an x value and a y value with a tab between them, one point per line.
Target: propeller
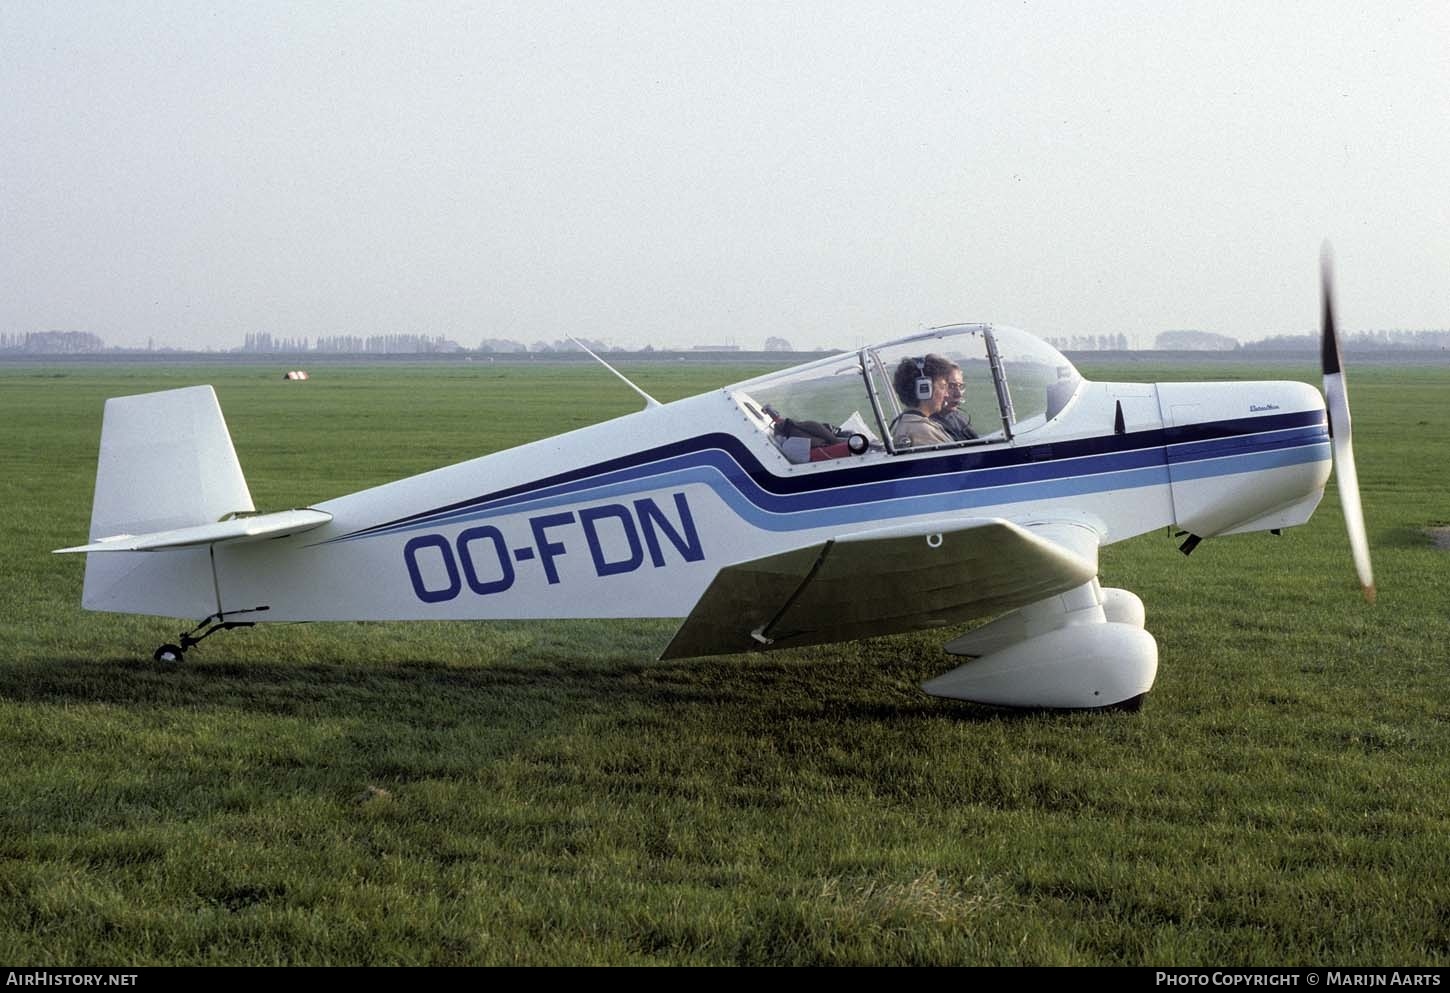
1336	399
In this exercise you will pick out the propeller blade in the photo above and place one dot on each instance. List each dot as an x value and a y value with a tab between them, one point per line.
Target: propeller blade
1336	398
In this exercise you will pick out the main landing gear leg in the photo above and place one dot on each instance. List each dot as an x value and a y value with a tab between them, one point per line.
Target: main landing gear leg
212	624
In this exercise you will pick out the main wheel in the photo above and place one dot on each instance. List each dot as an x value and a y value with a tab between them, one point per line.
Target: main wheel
169	653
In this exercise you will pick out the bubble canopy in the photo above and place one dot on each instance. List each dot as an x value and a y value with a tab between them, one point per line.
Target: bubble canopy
1011	384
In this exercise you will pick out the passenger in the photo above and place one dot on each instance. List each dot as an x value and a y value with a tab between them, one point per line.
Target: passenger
920	385
952	420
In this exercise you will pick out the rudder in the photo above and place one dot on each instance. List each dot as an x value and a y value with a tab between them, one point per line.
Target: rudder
166	461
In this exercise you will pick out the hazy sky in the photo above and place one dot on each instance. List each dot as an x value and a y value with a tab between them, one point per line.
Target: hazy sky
687	172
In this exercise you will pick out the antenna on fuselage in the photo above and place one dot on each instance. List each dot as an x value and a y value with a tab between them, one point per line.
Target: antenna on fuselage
649	401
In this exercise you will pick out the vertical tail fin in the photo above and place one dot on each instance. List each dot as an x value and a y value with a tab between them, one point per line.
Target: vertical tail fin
166	461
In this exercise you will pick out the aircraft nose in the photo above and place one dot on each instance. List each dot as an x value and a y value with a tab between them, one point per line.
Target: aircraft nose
1245	456
1284	398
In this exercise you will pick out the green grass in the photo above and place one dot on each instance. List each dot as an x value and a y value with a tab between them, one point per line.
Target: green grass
545	793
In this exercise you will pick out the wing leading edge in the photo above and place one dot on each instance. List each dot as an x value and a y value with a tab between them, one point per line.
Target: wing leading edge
923	575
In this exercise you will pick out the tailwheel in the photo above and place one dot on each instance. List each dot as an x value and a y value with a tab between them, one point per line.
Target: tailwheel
207	627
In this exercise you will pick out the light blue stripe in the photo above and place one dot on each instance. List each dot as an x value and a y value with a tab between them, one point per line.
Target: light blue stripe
892	509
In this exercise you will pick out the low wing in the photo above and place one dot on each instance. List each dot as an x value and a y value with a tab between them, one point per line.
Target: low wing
897	579
276	525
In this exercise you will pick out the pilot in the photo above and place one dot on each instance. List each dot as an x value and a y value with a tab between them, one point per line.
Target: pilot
920	385
952	420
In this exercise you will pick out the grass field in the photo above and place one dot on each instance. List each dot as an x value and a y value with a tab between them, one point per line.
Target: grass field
546	793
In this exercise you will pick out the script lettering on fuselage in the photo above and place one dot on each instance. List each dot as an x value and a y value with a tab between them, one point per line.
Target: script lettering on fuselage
619	538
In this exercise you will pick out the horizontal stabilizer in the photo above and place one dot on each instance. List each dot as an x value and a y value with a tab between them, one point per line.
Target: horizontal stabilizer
923	575
276	525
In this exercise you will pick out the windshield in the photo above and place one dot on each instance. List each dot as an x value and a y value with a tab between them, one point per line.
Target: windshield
958	385
1039	379
814	412
936	388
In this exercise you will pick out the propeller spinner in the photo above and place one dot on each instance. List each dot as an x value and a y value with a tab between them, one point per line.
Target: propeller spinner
1336	399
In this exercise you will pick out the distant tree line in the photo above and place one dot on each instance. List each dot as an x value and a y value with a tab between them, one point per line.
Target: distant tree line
84	342
1090	343
379	344
264	342
504	346
52	342
1194	341
1358	341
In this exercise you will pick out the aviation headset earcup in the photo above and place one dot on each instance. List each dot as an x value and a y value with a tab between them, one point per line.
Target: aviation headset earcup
858	443
923	381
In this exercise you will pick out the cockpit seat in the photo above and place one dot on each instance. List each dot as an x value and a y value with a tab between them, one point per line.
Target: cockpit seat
823	453
808	441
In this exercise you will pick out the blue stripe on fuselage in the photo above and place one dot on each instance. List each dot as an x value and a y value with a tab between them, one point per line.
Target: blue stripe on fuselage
959	479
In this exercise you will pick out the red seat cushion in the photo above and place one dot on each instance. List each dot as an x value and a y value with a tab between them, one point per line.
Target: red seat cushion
837	451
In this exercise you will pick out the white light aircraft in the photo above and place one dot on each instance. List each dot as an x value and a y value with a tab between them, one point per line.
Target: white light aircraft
782	511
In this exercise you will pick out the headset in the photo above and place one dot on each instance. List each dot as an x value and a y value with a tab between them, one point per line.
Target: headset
923	381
